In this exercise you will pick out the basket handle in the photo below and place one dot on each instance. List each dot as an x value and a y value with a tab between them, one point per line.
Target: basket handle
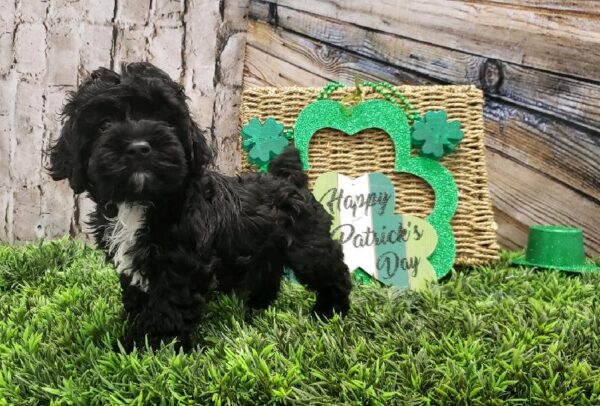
385	89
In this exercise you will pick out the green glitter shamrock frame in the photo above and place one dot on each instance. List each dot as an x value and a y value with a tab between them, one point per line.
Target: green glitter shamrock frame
387	116
432	135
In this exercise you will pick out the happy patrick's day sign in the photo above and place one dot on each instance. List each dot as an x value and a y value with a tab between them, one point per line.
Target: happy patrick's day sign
391	247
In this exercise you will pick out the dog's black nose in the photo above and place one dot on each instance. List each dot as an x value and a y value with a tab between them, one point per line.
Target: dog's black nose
138	149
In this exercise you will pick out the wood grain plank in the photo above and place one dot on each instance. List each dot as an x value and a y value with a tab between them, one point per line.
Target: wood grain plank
262	69
524	36
560	96
511	233
324	60
560	151
431	60
585	6
532	198
566	98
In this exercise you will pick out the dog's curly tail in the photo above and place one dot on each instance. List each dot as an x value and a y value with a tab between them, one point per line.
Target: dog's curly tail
289	166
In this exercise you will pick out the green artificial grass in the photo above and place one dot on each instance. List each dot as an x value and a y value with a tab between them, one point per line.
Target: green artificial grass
489	335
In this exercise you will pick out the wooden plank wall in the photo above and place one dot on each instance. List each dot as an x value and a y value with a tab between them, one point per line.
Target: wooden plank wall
48	47
538	63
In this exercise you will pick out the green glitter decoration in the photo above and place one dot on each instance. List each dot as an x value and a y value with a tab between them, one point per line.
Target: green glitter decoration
363	278
385	89
434	136
263	142
388	117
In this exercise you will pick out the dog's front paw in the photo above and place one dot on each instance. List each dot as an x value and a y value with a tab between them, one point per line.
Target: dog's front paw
332	300
328	308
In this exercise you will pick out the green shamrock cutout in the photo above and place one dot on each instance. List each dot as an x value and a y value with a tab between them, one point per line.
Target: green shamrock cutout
388	117
435	136
263	142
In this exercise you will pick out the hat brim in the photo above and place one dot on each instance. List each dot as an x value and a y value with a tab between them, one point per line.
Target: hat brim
576	268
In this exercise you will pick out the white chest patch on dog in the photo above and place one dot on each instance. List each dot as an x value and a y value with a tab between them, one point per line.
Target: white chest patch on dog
121	235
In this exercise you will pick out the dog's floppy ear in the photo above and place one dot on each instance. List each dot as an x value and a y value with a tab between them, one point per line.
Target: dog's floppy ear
202	153
65	154
60	166
65	160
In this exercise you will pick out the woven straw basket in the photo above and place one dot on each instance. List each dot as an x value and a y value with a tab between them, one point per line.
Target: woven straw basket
372	151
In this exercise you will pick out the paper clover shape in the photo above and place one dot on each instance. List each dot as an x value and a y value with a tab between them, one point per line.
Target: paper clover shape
263	142
435	136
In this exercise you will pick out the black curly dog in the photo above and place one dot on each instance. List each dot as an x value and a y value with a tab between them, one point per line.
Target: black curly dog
175	230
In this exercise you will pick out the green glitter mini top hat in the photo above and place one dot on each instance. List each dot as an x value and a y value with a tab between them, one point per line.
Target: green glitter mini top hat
556	247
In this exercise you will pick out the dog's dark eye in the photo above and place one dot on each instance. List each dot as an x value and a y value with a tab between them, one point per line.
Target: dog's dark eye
105	125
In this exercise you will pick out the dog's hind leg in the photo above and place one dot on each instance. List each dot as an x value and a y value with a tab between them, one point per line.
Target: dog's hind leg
264	285
318	263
